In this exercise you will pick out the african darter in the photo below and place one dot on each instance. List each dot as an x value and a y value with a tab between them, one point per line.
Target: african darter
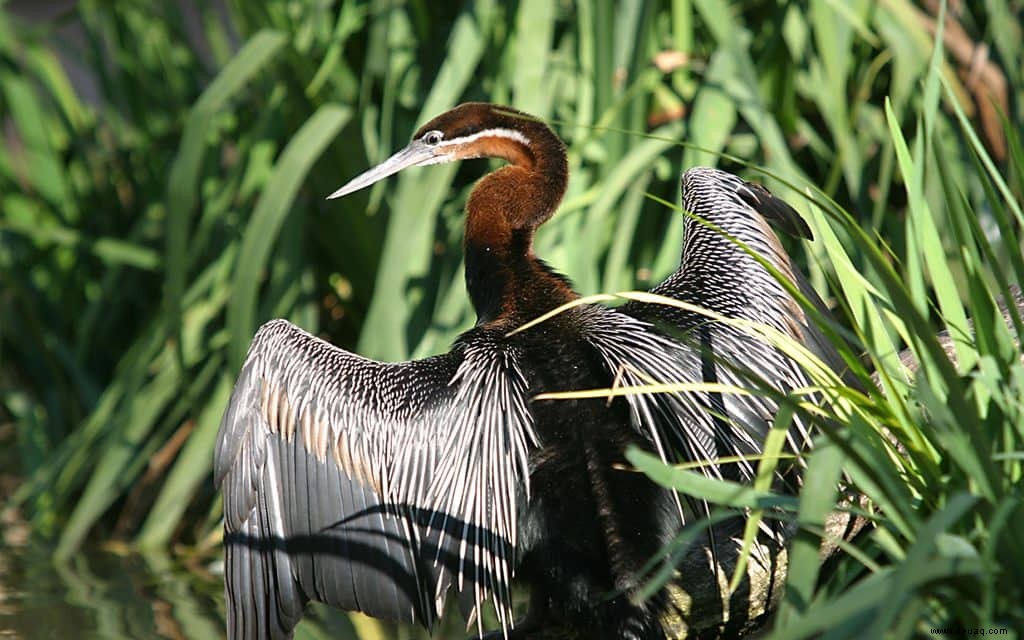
379	487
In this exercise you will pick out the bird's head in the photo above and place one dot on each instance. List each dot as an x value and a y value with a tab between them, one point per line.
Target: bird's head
470	130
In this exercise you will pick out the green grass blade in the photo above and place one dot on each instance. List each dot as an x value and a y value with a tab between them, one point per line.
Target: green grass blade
183	182
190	469
273	208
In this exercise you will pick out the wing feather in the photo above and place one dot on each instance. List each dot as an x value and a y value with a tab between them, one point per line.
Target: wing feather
717	274
370	486
681	425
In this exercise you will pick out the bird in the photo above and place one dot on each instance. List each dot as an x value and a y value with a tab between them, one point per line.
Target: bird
384	487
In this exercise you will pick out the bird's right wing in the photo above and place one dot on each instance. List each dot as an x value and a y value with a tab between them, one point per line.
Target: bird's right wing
369	486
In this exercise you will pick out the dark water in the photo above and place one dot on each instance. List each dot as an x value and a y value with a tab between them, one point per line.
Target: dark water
104	595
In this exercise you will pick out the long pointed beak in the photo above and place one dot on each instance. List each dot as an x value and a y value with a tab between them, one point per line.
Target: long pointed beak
415	155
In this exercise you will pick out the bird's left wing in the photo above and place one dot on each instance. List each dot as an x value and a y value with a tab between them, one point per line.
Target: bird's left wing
369	486
719	275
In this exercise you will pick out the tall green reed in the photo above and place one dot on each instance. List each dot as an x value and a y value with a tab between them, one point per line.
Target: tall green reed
147	232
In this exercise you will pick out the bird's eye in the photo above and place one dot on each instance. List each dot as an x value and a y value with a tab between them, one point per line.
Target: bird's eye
432	137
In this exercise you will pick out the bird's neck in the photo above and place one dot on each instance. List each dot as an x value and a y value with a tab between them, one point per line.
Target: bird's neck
504	277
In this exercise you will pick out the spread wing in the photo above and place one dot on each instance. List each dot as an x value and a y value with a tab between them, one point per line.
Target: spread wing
369	486
717	274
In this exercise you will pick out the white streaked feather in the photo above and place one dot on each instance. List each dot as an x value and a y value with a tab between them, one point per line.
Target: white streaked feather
420	437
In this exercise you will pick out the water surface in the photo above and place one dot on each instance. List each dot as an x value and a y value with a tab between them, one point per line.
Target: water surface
105	595
100	594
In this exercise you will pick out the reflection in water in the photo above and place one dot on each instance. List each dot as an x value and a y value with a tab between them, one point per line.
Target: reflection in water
104	595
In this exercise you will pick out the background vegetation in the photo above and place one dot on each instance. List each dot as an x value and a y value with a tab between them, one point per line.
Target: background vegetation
167	196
